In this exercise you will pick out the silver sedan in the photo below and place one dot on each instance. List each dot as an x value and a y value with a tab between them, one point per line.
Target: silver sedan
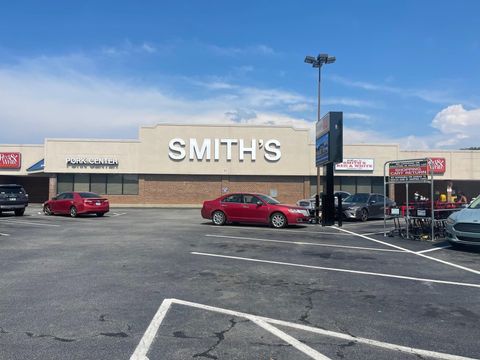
463	227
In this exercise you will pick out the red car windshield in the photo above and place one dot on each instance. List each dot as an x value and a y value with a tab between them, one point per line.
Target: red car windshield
88	195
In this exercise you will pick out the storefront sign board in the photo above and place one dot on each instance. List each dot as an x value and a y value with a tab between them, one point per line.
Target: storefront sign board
10	160
356	165
408	171
439	165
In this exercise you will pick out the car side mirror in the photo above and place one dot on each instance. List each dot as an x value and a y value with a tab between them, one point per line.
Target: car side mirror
259	203
372	202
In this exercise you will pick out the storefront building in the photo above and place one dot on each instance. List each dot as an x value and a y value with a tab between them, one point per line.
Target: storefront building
183	165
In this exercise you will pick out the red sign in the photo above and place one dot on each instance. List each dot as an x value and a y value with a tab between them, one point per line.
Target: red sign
439	165
404	171
10	160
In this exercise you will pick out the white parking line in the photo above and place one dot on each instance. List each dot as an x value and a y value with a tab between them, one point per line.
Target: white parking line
145	343
282	231
2	234
411	251
339	270
434	249
22	222
117	214
373	233
301	243
307	350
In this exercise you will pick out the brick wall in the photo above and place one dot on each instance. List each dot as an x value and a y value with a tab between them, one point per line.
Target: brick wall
192	190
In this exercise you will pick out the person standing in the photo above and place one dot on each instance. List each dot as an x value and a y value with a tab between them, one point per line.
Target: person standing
461	198
450	191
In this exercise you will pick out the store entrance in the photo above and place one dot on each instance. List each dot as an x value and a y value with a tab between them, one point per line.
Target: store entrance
36	186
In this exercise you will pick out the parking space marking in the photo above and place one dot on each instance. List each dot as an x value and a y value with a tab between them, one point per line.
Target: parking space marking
117	214
307	350
3	234
434	249
140	352
301	243
339	270
22	222
411	251
281	230
144	345
373	233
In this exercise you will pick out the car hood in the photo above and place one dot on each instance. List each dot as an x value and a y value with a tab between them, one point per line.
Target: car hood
468	215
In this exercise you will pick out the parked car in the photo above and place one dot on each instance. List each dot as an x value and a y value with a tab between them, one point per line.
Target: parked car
363	206
76	203
13	198
463	227
309	204
253	208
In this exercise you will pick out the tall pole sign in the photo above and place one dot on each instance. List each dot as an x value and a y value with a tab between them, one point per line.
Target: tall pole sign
328	151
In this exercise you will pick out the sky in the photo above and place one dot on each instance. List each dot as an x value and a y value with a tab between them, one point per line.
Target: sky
406	72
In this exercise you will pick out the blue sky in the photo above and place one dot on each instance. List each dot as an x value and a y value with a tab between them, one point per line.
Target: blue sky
406	71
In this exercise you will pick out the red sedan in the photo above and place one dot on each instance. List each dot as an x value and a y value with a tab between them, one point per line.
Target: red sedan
253	208
75	203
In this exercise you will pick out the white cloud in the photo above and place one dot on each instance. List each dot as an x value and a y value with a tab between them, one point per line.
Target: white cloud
429	95
127	48
39	101
58	97
460	127
357	116
349	102
260	49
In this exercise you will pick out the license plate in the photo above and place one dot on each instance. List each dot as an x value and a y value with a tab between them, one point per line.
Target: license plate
12	199
97	203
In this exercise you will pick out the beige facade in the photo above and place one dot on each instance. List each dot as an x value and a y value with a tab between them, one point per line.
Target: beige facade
182	165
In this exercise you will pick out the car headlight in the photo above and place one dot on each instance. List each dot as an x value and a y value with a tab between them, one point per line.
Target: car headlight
450	221
295	211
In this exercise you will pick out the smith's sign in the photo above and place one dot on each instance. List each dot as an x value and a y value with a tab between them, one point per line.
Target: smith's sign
213	149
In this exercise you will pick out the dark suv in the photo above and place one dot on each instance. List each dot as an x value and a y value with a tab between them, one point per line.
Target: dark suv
13	198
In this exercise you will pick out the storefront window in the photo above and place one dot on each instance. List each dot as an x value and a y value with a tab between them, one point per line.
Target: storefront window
130	184
348	184
98	183
364	184
81	182
64	183
114	184
377	185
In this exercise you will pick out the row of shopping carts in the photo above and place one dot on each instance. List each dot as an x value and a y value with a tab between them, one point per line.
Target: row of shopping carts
415	222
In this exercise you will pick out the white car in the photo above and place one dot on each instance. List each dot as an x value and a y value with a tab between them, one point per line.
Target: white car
463	227
310	203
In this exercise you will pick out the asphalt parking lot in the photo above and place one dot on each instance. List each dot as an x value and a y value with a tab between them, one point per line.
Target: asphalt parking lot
167	284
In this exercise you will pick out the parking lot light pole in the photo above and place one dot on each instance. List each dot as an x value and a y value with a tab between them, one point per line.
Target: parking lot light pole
317	62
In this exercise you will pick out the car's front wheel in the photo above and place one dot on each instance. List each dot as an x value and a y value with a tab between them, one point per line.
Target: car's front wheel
19	212
364	215
278	220
219	218
73	212
47	210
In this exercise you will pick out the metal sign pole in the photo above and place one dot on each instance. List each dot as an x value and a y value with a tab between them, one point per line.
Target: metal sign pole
407	211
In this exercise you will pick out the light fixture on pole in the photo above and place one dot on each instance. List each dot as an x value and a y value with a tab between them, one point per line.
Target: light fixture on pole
318	62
